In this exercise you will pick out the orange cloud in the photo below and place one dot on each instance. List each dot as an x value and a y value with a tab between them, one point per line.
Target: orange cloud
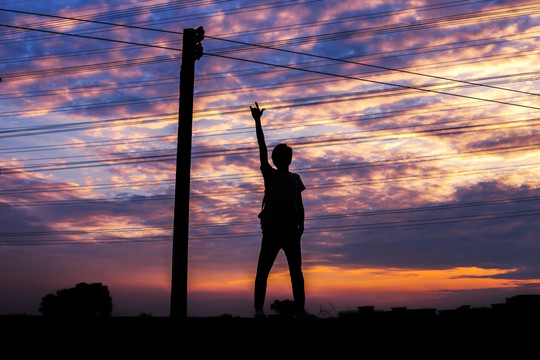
336	282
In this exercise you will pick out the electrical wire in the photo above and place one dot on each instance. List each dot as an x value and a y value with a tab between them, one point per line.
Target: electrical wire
236	150
47	129
89	37
320	72
455	130
379	67
321	229
303	171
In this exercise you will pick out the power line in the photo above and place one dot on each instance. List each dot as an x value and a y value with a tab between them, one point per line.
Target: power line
386	68
90	21
384	212
91	67
307	70
350	77
125	13
83	125
256	191
169	116
90	164
421	8
197	153
339	184
328	184
166	238
385	225
343	227
236	10
379	180
68	188
425	222
75	69
372	81
408	160
423	24
316	230
86	88
90	37
305	171
361	17
86	144
438	64
332	98
47	129
387	133
84	232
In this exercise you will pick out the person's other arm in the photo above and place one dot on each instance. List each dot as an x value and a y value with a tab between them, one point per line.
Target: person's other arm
301	215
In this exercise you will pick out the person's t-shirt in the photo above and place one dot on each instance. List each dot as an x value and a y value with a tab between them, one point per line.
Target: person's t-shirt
280	204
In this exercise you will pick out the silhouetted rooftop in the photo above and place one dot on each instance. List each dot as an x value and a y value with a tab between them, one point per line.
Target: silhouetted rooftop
527	304
506	330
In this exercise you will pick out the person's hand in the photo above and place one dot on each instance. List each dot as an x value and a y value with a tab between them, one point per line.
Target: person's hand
256	112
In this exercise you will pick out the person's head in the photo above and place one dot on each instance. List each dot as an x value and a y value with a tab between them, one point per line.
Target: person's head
282	156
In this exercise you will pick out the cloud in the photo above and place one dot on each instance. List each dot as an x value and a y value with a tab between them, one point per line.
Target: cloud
397	178
466	231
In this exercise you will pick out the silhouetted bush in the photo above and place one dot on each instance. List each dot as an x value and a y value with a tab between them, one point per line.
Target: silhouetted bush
83	300
283	308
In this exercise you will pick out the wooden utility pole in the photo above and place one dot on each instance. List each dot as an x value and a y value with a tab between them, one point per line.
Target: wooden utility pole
191	51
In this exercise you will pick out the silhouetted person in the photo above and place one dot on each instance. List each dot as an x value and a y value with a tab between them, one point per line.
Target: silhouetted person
282	219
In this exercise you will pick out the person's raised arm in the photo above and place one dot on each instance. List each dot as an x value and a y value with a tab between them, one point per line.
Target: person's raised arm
263	151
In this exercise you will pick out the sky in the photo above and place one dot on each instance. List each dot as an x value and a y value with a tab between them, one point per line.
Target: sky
414	126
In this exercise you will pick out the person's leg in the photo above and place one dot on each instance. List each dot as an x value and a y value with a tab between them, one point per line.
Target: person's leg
267	256
294	258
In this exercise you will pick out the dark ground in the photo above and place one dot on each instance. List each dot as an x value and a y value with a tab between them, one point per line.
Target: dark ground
460	334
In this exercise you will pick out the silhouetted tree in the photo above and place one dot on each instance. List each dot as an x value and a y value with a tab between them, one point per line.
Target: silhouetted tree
83	300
